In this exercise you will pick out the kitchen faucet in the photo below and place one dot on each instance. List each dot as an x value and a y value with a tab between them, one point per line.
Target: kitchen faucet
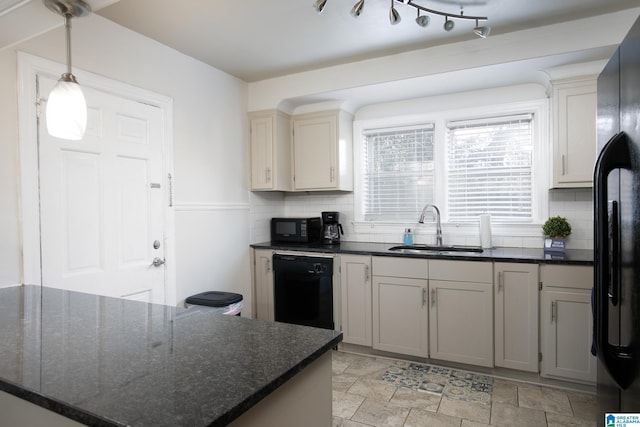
438	226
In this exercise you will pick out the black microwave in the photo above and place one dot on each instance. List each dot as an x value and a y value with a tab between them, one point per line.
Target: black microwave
297	230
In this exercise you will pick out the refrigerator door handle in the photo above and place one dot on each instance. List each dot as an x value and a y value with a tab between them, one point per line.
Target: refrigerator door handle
613	269
619	360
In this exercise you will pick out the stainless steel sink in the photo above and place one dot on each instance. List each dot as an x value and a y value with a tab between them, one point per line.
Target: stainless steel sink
436	248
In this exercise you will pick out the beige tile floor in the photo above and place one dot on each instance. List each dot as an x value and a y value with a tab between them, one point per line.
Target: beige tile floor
362	400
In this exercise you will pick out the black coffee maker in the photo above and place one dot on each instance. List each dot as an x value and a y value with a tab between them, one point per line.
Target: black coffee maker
331	228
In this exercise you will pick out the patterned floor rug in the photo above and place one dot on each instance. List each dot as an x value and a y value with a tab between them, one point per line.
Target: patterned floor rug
452	383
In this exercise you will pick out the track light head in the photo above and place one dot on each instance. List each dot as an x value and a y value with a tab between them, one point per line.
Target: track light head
482	32
394	16
357	8
319	5
422	20
448	24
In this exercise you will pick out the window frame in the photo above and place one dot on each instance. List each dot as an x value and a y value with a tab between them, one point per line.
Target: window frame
541	168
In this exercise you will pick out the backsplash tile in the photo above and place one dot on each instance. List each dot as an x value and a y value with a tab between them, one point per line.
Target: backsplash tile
574	204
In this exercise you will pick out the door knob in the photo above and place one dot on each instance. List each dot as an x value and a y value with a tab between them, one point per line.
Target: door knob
157	262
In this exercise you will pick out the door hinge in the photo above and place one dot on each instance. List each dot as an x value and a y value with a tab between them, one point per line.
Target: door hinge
540	285
539	357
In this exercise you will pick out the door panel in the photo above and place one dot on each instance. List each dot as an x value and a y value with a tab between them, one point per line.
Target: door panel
102	202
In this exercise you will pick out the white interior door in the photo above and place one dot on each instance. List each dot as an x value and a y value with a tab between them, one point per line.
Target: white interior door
101	200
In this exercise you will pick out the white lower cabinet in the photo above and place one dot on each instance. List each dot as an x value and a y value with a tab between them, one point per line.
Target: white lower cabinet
400	313
461	311
516	316
263	283
566	323
355	277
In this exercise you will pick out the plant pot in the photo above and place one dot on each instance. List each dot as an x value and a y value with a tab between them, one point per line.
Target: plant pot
555	244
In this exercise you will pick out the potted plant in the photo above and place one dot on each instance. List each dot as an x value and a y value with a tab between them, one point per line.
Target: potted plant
556	229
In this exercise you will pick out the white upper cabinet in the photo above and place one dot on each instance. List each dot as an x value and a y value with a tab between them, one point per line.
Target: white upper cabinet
270	151
322	151
574	132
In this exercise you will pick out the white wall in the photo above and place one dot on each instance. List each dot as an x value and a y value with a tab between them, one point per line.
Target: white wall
210	149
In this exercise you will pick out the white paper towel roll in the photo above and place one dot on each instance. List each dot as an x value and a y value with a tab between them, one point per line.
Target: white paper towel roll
485	231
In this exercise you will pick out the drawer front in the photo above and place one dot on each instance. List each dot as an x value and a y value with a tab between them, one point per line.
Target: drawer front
400	267
461	271
567	276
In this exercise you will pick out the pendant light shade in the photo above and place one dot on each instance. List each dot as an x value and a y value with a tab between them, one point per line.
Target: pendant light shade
66	110
66	107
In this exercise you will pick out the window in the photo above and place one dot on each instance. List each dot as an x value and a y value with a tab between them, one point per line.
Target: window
398	172
489	169
467	167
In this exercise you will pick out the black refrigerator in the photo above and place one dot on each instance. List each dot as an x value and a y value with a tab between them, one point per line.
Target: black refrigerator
616	297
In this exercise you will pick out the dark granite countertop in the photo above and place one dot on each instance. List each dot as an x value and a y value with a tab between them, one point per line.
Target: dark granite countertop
571	256
111	362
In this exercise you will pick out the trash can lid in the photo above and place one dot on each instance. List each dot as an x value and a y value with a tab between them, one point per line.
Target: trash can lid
214	299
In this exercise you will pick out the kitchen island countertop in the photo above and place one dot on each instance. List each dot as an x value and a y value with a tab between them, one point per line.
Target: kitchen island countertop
503	254
112	362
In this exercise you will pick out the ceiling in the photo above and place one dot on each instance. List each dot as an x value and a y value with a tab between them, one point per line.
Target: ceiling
259	39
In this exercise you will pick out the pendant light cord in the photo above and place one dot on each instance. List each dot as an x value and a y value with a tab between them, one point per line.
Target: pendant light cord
67	26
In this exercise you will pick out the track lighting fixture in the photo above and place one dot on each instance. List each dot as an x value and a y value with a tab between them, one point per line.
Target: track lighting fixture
421	20
66	107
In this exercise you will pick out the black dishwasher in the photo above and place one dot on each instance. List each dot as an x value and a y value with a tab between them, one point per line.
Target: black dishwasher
303	290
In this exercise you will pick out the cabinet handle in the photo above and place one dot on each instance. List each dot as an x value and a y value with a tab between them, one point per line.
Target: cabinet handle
554	311
500	281
267	266
433	297
366	273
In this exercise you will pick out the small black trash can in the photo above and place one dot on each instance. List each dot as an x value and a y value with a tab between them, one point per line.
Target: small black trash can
223	302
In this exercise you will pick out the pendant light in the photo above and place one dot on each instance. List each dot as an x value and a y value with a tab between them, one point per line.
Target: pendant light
66	107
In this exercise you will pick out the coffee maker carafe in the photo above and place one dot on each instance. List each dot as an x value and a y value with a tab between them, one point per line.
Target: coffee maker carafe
331	228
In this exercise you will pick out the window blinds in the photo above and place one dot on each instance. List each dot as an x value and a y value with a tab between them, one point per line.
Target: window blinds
398	179
489	168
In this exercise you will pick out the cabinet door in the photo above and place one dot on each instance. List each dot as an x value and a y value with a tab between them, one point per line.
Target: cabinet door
516	316
270	151
262	131
461	322
574	133
263	284
567	327
314	152
355	273
400	316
